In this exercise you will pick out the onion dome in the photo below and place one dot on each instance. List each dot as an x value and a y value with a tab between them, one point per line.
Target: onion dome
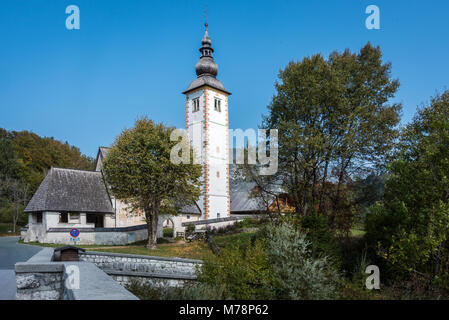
206	69
206	65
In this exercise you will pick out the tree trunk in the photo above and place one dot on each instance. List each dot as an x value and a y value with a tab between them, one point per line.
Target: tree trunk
14	222
152	220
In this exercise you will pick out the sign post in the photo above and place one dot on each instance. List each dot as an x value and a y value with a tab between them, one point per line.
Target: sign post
74	233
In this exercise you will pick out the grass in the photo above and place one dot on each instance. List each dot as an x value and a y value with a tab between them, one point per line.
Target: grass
357	233
241	240
191	250
358	230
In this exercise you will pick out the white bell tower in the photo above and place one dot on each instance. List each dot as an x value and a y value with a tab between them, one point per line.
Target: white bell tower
208	128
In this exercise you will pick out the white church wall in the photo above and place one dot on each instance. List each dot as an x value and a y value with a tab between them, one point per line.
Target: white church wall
195	123
218	157
211	126
124	215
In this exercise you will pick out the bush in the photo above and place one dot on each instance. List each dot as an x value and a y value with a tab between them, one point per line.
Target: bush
168	232
297	273
190	229
241	275
191	291
322	239
279	264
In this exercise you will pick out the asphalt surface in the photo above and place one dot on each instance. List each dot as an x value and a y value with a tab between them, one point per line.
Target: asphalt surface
10	253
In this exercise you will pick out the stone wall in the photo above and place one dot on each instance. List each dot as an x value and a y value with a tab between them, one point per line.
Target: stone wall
43	284
214	223
40	278
158	271
100	236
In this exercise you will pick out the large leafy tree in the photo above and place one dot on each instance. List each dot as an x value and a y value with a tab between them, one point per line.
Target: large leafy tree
335	122
410	227
139	170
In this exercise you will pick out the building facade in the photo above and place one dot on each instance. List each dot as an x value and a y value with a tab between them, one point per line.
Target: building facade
207	125
69	198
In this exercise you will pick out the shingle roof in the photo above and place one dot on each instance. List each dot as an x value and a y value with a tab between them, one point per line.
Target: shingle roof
191	208
70	190
102	153
206	80
241	199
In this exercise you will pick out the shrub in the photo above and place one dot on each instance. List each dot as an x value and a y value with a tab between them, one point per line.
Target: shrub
241	275
279	264
322	239
191	291
168	232
297	273
190	228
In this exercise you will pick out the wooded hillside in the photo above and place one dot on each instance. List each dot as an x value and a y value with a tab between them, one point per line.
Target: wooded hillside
25	158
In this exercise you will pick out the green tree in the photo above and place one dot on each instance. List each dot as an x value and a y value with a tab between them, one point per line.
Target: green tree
279	264
410	227
335	122
15	194
139	170
9	166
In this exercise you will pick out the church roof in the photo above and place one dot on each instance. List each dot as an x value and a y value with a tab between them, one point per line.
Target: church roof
70	190
241	200
102	153
206	80
191	208
206	68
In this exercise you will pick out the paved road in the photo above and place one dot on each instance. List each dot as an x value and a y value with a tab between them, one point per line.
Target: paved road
10	253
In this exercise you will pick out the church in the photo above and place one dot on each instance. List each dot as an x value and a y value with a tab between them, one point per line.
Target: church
69	198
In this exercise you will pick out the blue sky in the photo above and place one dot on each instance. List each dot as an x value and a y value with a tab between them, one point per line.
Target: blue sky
132	58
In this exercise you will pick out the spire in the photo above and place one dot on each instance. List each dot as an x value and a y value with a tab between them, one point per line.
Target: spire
206	40
206	68
206	65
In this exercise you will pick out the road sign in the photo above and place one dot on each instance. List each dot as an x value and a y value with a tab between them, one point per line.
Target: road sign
74	232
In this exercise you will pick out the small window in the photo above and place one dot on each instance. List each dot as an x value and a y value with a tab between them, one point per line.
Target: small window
218	149
218	215
218	174
188	216
196	104
74	217
39	217
217	105
63	217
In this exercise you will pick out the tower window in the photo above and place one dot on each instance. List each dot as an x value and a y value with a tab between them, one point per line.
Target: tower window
217	105
218	174
218	149
196	104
